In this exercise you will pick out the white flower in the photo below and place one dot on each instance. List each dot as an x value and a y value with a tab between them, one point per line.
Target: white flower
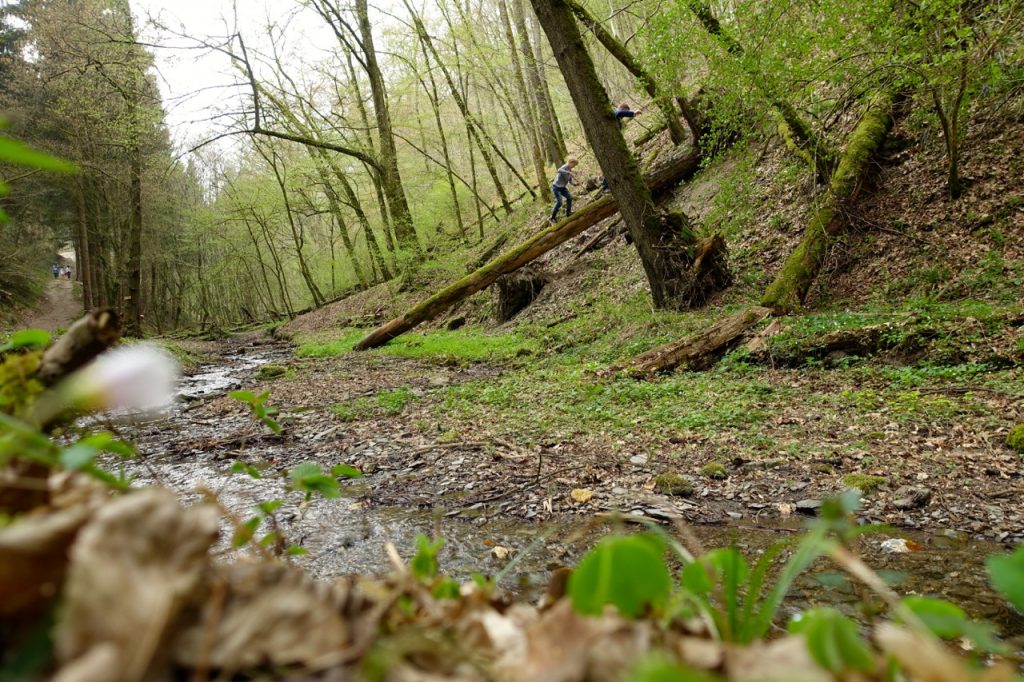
137	377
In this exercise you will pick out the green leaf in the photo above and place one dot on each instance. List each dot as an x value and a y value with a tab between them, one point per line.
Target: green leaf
446	589
657	669
27	338
270	506
325	485
78	456
242	396
346	471
301	471
296	550
240	467
942	618
627	572
244	533
12	151
271	424
1006	572
424	563
833	640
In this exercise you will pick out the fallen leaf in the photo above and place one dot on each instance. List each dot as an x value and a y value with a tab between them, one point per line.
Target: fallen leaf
581	495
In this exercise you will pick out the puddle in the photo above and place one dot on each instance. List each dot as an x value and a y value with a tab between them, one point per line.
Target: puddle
343	536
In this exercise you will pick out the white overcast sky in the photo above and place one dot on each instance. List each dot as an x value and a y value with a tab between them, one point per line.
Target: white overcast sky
195	83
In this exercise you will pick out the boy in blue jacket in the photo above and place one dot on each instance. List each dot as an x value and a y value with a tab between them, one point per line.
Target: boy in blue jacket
560	186
621	112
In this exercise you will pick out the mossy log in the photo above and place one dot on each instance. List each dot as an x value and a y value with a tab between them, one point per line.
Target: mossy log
696	351
828	221
679	167
83	341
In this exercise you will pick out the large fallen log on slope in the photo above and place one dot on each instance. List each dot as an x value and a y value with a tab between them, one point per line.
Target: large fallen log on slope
678	168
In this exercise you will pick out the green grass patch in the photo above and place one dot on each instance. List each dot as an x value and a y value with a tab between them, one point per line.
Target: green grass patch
385	403
442	346
464	346
394	402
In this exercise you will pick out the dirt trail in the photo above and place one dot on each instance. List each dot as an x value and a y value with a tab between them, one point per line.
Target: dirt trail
57	308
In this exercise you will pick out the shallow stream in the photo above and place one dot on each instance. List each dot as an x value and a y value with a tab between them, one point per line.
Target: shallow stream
347	535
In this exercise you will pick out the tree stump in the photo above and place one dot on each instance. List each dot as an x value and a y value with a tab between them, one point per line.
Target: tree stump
517	290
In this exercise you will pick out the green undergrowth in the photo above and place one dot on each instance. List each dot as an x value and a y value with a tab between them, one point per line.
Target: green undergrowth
438	346
385	403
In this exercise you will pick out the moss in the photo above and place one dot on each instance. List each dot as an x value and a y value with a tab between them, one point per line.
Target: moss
669	483
18	388
1015	439
714	470
864	482
271	372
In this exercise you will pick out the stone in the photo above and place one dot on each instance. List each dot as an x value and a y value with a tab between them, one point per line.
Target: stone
911	497
638	459
808	506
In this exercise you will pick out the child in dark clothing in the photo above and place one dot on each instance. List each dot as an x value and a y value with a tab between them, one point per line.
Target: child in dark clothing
560	186
621	112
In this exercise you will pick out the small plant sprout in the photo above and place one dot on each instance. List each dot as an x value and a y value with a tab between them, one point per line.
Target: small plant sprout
259	408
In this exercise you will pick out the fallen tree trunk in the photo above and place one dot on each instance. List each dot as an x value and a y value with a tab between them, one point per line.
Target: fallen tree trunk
696	351
789	290
678	168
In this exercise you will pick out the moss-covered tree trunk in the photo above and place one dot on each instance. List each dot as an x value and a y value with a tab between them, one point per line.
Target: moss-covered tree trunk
828	221
658	180
623	55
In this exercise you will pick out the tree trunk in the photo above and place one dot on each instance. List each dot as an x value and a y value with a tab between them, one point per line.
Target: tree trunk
133	310
391	179
678	168
665	245
619	51
828	221
551	134
84	265
435	105
477	131
530	113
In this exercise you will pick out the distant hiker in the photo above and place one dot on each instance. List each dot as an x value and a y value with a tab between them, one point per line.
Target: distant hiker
621	112
560	186
56	271
67	272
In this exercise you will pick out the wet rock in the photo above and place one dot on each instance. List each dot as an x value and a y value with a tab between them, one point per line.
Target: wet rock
808	506
911	497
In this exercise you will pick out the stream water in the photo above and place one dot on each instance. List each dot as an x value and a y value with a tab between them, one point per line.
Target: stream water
346	535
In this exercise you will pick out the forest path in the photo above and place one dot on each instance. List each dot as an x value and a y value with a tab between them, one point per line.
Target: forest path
57	308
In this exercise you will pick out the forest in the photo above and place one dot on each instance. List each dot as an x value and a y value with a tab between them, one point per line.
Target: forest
562	340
